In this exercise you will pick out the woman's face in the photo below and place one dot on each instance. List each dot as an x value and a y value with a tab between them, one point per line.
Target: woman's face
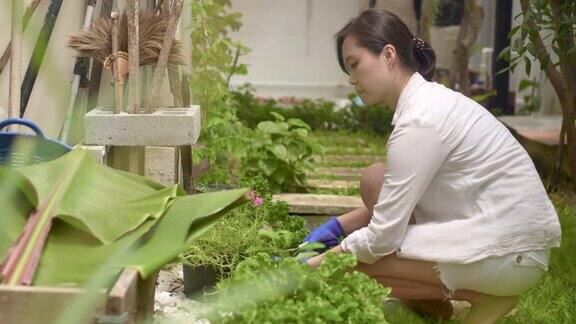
370	74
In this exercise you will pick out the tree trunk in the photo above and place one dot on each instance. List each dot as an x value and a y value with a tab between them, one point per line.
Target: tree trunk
568	123
467	35
426	19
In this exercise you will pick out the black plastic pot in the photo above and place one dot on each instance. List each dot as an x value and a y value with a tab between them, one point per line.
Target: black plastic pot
198	279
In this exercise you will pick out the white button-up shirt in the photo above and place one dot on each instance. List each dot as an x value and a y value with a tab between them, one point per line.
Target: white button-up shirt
472	187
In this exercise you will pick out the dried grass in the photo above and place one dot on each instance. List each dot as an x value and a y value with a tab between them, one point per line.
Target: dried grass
96	42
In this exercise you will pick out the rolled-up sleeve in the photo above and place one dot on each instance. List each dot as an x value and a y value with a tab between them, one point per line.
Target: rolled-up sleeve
416	152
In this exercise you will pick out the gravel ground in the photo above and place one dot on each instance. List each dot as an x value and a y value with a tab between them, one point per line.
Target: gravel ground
170	303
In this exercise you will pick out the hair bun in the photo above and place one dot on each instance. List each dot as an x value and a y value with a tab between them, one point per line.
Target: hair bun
418	44
425	58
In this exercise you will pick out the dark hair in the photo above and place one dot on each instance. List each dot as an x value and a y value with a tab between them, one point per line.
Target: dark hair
377	28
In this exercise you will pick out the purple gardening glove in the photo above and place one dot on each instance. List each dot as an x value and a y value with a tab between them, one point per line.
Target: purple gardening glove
327	233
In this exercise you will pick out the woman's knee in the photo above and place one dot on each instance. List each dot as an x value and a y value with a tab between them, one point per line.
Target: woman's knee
371	183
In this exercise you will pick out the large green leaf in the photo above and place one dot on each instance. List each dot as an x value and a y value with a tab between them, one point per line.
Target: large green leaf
88	190
72	256
186	219
148	248
280	151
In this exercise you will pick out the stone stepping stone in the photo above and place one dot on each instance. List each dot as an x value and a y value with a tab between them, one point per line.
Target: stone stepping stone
367	159
330	140
313	221
332	184
350	150
319	204
340	172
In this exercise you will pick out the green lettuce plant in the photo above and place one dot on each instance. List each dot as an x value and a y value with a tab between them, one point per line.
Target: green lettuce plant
263	290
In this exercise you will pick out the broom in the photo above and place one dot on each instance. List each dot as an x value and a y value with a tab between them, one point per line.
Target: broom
96	42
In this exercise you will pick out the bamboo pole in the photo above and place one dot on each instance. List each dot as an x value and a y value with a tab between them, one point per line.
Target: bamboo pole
134	56
27	15
134	153
118	87
16	51
152	100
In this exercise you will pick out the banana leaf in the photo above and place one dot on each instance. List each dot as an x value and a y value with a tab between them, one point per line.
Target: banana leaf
160	224
147	249
80	185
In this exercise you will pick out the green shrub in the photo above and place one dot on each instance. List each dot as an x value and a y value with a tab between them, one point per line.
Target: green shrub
281	151
318	114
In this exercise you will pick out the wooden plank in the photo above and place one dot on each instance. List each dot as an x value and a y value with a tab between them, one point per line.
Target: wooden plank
145	298
187	175
31	304
122	297
132	296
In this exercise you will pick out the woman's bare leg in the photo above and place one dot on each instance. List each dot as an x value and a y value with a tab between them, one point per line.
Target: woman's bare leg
371	177
413	280
418	280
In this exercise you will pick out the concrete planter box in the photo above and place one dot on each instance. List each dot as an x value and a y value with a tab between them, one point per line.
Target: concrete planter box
164	127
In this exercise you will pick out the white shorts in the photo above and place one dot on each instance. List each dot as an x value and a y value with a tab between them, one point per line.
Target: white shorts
508	275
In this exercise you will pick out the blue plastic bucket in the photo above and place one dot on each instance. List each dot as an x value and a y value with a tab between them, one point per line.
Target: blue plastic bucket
18	149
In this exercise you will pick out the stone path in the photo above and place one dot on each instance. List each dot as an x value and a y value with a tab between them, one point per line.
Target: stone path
329	177
351	150
319	204
332	184
363	159
342	173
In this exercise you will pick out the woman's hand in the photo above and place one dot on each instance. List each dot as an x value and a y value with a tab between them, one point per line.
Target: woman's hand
327	233
315	261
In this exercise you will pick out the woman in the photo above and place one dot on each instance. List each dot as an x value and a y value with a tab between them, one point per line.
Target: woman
458	211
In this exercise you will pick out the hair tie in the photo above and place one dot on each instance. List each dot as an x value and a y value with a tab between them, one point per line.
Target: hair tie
418	43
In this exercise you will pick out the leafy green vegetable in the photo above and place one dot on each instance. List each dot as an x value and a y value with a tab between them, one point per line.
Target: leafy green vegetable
261	290
245	231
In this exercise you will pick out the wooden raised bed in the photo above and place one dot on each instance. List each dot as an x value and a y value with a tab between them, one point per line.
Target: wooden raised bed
130	300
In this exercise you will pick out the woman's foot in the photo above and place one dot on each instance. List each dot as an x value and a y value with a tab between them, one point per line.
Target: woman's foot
487	309
441	309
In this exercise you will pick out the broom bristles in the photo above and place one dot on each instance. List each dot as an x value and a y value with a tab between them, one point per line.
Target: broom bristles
96	42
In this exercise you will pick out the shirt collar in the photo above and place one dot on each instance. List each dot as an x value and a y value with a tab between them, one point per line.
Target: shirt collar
415	81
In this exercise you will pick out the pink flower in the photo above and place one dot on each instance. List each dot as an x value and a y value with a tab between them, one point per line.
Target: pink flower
258	201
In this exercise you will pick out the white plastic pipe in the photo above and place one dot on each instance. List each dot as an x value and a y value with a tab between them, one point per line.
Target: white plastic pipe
15	62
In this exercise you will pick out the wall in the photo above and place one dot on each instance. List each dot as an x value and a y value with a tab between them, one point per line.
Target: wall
292	44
